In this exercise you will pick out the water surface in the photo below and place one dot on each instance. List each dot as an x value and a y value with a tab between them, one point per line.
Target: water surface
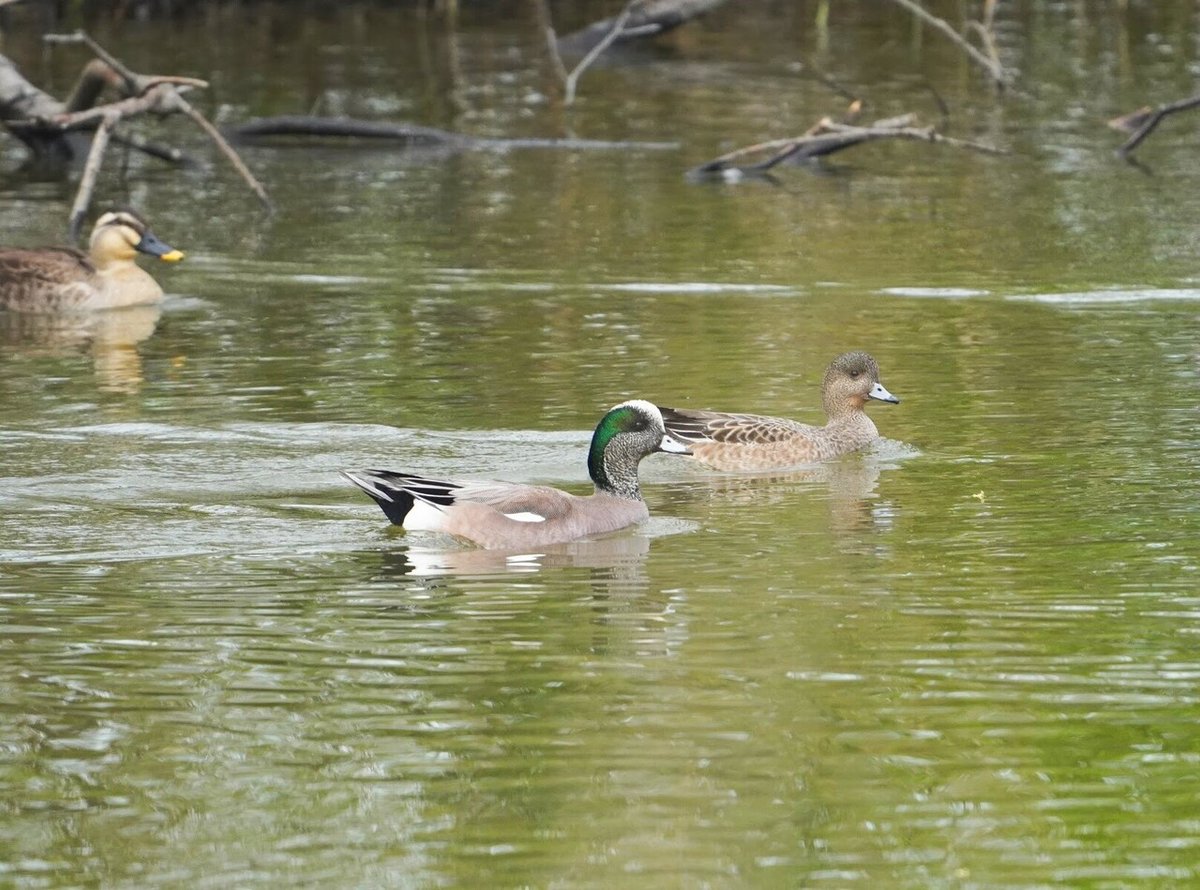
964	658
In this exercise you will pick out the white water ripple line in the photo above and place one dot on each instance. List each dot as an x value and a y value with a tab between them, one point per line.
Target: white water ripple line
697	287
1105	297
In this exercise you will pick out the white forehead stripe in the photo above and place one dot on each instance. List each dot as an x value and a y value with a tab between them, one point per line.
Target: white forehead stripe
640	404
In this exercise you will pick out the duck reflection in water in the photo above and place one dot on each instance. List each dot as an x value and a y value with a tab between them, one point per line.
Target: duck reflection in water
604	578
110	336
851	484
620	556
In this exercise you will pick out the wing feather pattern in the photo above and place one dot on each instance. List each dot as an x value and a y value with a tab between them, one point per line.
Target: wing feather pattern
57	276
734	429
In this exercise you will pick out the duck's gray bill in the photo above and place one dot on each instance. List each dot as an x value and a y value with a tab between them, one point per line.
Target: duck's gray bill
674	446
878	392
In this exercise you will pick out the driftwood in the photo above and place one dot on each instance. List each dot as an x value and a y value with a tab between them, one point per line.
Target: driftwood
43	122
1142	123
989	60
826	137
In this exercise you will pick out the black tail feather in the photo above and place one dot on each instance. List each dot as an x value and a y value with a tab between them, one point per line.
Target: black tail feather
397	508
395	493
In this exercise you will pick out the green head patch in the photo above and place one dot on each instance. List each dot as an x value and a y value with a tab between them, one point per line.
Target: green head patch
621	419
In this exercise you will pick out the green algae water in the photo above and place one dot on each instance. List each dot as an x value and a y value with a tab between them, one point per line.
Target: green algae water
964	658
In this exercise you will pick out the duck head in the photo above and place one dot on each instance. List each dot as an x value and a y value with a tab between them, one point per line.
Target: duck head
850	380
626	434
119	235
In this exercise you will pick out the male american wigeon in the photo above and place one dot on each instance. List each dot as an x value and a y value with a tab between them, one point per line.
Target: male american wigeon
63	279
750	442
507	515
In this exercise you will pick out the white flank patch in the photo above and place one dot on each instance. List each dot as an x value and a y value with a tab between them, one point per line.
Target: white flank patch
425	517
526	517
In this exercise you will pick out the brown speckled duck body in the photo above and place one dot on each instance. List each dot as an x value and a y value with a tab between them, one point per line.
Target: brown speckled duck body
63	279
751	442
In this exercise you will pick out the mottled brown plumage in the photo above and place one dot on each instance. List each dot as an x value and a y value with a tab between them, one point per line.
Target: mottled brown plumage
63	279
749	442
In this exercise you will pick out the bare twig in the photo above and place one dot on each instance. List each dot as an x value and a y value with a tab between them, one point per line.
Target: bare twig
149	81
87	182
989	44
828	81
546	23
134	83
991	65
1144	121
157	99
226	149
594	53
100	52
89	118
943	108
989	14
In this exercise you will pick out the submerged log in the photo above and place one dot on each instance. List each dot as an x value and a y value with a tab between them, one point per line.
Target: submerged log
293	126
295	129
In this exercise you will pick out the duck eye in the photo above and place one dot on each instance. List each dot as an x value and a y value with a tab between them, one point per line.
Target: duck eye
855	373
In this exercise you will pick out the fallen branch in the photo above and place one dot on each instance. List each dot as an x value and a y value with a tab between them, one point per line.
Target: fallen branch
40	121
19	99
826	137
990	62
1142	123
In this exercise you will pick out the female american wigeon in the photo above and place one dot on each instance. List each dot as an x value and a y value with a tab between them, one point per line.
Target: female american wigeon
63	279
511	516
749	442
